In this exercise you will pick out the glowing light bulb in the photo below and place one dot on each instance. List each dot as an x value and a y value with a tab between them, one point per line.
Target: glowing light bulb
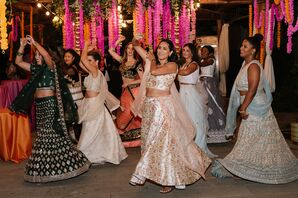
198	5
47	13
119	8
123	24
39	5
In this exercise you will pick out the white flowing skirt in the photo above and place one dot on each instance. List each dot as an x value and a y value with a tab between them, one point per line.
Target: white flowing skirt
195	100
99	139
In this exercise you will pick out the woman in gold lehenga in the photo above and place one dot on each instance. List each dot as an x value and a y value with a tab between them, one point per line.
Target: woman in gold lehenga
261	153
170	156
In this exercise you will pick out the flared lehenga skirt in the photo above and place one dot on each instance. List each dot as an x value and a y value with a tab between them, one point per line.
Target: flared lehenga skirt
195	102
128	125
161	159
53	156
216	115
260	154
100	140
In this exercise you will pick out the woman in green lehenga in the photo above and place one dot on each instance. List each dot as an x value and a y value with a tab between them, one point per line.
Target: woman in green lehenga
53	157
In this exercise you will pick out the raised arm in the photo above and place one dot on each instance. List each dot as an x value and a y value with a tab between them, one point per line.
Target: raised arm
141	51
46	56
19	58
168	68
112	49
84	64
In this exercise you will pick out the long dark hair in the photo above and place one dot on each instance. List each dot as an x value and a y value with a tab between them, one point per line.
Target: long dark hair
194	53
173	57
255	41
75	55
96	56
124	58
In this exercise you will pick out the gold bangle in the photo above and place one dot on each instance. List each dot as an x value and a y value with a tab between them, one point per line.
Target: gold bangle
20	53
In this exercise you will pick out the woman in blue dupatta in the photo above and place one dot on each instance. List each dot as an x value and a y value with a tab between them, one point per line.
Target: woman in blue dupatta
261	153
53	157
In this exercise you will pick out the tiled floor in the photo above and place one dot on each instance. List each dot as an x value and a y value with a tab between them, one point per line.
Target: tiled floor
112	181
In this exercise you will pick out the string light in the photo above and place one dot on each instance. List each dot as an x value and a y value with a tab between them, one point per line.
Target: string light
39	5
47	13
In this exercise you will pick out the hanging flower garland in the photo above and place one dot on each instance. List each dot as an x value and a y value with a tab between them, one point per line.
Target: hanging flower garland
22	25
140	28
14	28
250	24
262	49
69	39
93	29
277	2
77	36
257	20
150	33
146	28
87	31
166	19
3	25
278	34
271	27
193	21
100	29
266	16
81	24
156	22
289	15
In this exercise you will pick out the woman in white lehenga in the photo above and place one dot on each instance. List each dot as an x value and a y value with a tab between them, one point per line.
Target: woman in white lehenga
169	155
261	153
194	96
99	139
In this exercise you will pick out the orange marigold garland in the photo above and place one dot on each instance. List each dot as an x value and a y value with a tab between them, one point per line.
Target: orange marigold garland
250	21
278	34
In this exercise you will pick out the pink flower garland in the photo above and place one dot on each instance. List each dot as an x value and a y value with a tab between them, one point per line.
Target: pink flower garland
166	19
69	39
266	19
173	29
291	29
81	22
14	29
140	17
257	20
184	26
99	29
156	22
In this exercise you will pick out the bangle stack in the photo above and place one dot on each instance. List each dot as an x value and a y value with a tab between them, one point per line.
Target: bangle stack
20	53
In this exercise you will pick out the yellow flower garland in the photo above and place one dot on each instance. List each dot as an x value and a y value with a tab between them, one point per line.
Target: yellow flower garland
3	25
277	2
262	50
250	20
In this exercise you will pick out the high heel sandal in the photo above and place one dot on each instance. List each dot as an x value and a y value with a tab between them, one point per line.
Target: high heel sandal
166	189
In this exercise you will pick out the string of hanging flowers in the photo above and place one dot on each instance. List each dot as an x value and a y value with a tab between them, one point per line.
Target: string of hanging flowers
3	26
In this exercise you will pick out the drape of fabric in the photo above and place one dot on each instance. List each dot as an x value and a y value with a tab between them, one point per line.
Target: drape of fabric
261	153
128	125
216	114
99	140
15	136
255	107
223	58
268	66
170	156
53	157
195	98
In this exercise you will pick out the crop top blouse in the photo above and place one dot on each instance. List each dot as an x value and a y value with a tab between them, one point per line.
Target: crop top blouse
191	78
91	83
208	71
48	78
163	82
132	72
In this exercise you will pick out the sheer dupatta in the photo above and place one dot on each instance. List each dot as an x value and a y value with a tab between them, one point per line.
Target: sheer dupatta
182	129
255	107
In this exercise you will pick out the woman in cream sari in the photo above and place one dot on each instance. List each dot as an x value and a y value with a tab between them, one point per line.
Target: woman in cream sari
99	140
261	153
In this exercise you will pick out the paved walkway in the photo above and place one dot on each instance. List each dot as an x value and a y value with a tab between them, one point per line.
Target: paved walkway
112	181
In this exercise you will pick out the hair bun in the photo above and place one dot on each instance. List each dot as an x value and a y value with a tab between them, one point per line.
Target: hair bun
258	37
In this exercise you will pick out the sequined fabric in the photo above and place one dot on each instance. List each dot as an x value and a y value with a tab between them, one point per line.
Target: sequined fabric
261	153
53	155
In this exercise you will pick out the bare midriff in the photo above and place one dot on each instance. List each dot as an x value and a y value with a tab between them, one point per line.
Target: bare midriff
44	93
151	92
91	94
